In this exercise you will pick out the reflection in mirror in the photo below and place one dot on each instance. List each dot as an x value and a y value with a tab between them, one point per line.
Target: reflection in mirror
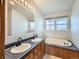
20	20
31	26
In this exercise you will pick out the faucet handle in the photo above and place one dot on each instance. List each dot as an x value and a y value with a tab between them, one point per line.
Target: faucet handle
19	40
35	35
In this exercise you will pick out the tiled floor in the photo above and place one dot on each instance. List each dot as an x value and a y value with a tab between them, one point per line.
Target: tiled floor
47	56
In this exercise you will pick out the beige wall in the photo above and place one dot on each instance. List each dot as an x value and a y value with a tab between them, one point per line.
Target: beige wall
55	14
75	24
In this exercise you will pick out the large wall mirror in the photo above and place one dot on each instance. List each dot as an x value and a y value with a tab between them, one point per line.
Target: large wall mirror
20	19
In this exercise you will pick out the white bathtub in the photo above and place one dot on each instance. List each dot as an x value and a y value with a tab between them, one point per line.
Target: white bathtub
59	42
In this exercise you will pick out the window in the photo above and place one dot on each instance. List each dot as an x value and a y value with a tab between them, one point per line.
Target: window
61	24
49	24
31	25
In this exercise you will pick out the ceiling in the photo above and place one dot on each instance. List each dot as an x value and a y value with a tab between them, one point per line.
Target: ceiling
48	6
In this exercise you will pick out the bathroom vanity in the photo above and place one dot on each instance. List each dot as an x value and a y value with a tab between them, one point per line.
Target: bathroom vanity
36	51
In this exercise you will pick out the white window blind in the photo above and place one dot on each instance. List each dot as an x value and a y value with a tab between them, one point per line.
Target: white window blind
59	23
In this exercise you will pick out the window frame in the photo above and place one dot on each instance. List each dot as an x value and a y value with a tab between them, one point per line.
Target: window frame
29	27
55	23
62	24
49	24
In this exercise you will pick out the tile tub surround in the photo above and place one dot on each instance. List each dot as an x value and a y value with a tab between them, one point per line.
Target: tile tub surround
9	55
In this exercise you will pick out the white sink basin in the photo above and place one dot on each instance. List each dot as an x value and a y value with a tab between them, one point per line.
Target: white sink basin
36	40
23	47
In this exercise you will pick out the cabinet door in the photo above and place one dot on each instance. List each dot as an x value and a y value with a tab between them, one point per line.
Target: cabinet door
30	55
75	55
43	49
2	28
37	52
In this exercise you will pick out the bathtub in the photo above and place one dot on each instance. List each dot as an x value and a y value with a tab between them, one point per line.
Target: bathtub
59	42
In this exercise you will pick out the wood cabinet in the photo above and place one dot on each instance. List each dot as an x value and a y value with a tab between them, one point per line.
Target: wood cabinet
37	53
61	52
2	28
30	56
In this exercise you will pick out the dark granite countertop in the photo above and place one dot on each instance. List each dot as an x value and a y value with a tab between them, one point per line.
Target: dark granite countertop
9	55
73	47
